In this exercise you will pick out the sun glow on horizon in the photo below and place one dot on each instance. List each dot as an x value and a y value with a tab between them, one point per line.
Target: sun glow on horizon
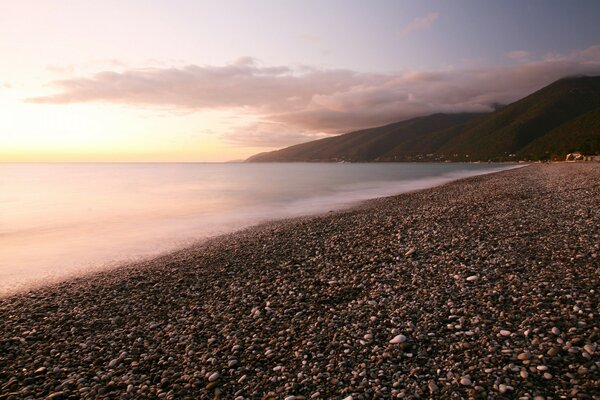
220	81
110	133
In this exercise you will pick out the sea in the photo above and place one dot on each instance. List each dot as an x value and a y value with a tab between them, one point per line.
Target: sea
61	220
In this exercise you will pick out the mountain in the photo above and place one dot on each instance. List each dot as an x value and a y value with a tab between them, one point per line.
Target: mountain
416	135
559	118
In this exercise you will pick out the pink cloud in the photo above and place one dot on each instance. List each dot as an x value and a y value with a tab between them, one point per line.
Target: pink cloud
269	134
419	24
297	103
518	54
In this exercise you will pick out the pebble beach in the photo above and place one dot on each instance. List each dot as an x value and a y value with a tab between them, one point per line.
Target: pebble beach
486	287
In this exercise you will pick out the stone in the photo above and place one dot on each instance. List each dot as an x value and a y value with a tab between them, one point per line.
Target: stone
466	381
433	388
214	376
588	348
472	278
398	339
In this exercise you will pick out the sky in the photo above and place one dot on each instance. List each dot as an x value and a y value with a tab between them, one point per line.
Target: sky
204	81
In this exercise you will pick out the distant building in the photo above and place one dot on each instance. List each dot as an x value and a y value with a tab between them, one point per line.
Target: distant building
574	157
571	157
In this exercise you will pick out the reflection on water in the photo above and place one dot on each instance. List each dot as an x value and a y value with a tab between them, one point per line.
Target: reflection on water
57	219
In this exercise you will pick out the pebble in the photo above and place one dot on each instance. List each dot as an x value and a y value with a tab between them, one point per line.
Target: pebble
214	320
433	388
472	278
398	339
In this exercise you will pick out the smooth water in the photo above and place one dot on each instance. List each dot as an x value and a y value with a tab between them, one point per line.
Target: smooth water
61	219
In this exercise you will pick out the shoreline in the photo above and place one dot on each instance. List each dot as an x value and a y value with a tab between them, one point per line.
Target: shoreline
55	272
488	283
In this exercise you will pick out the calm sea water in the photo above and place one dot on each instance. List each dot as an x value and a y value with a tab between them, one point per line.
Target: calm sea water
60	219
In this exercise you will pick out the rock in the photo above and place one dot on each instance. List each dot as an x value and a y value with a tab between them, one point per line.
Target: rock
113	363
472	278
232	363
524	356
433	388
40	370
466	381
410	252
588	348
556	331
368	337
505	332
398	339
214	376
290	398
547	375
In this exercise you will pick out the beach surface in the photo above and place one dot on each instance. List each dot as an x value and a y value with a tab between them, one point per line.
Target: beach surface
487	287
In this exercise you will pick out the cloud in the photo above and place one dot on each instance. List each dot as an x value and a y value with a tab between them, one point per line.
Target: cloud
419	24
294	104
269	134
518	55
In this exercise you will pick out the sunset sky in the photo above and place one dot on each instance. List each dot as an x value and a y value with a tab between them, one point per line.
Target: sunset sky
222	80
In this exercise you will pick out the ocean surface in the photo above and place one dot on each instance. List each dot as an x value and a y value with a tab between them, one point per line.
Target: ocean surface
57	220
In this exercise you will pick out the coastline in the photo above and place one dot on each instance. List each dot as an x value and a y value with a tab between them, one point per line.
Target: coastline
77	240
492	280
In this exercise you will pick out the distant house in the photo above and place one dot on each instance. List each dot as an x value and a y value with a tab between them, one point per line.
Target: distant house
574	157
571	157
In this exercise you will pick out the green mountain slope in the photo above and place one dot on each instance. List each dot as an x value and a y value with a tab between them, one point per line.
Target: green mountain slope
380	143
579	134
559	118
515	126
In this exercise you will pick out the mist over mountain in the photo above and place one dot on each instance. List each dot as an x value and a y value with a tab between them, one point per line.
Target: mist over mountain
560	118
